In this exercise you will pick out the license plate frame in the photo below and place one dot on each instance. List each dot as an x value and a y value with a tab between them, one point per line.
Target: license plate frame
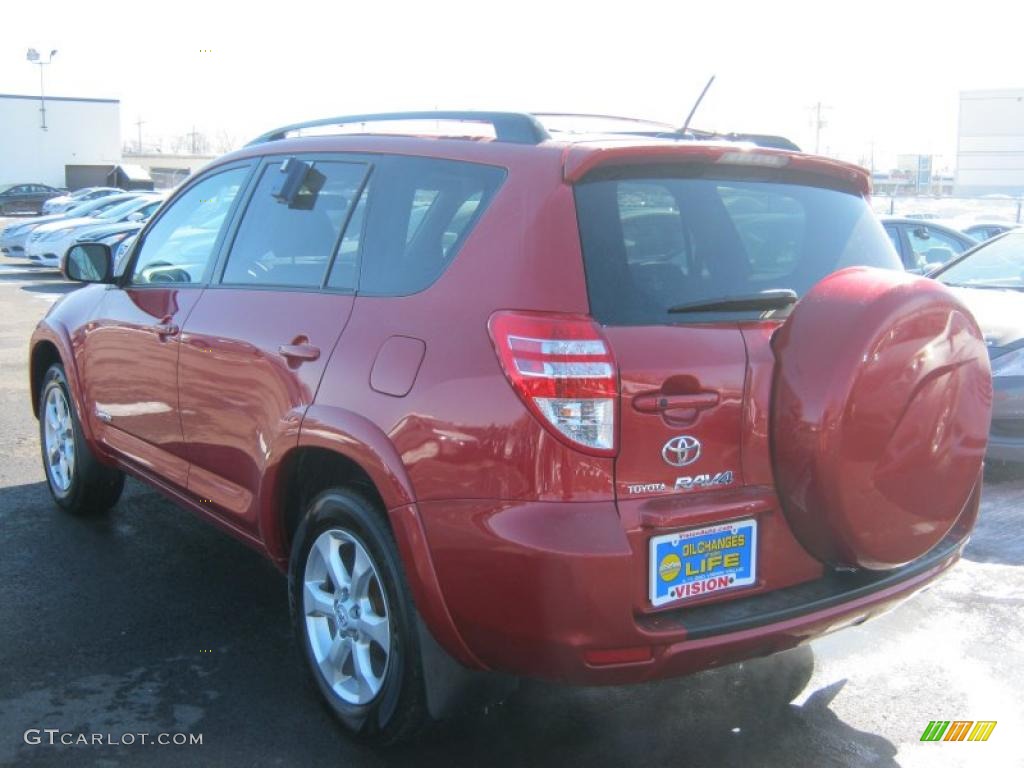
678	563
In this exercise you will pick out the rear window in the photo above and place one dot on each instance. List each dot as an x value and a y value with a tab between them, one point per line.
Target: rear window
650	244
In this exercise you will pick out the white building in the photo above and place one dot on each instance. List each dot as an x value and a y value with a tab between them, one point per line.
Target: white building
80	146
990	145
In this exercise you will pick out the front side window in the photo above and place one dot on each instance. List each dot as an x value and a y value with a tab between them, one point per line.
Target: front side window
180	244
291	243
652	245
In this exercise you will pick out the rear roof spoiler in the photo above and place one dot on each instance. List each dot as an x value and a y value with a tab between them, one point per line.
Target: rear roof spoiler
757	139
581	159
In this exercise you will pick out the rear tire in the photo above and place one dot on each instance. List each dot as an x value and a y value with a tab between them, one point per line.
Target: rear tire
78	482
354	618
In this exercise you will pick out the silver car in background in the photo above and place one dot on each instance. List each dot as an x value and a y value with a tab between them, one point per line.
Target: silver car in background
990	281
66	202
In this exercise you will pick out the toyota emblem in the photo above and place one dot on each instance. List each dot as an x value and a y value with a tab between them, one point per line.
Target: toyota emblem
680	451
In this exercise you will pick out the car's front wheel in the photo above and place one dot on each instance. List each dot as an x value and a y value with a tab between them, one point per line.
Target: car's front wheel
354	618
78	482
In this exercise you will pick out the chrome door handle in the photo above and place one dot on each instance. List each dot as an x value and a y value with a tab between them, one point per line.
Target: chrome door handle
299	351
164	329
655	402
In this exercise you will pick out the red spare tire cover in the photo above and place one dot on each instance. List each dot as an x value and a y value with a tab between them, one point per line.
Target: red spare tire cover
880	412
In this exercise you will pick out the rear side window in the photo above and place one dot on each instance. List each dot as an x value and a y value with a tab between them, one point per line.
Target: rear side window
650	244
419	213
290	245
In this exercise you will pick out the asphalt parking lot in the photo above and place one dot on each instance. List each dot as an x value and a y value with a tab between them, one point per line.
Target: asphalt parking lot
152	621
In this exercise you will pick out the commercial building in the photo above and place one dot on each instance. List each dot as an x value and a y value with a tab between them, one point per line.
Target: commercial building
990	143
75	142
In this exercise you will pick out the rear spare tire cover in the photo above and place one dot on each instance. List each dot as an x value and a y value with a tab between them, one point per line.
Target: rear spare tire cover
880	412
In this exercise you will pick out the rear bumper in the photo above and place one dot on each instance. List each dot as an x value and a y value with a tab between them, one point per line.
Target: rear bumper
547	590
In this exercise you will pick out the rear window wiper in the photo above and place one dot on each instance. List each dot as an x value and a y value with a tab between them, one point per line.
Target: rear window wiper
754	302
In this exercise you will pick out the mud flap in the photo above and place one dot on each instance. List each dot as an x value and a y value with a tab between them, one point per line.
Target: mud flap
451	688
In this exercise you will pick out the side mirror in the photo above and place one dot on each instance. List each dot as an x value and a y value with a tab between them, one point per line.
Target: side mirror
89	263
134	216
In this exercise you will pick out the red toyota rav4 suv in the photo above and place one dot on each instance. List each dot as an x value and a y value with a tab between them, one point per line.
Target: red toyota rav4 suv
593	409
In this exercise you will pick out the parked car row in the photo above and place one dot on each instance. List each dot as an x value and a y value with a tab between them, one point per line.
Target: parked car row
66	202
977	228
45	239
48	243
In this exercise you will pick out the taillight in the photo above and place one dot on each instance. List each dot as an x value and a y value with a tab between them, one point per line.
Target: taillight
563	369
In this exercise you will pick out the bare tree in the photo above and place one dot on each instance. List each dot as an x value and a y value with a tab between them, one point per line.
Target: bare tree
225	142
193	143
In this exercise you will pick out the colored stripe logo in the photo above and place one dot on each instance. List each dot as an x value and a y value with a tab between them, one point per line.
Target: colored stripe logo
958	730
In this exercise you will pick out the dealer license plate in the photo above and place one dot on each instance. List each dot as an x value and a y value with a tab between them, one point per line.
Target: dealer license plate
698	562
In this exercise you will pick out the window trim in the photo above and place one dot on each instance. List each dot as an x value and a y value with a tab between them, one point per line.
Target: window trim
325	282
124	282
231	233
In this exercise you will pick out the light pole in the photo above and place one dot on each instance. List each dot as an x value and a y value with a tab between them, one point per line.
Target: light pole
34	57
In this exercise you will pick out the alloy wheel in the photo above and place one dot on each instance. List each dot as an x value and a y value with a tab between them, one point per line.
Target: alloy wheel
346	616
58	440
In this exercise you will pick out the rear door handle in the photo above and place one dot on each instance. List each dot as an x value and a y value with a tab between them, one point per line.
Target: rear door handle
299	351
655	402
164	329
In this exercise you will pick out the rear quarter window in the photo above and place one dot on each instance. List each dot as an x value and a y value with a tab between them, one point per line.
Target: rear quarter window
650	244
418	214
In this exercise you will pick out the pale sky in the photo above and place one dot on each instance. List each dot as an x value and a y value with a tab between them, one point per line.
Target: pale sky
890	72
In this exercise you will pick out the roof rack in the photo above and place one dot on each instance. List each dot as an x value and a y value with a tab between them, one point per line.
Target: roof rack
526	128
512	127
610	118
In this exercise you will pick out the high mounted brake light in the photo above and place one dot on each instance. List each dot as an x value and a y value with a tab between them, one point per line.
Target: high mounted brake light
563	369
758	159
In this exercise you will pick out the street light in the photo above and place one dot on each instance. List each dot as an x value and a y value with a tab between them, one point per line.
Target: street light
33	56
